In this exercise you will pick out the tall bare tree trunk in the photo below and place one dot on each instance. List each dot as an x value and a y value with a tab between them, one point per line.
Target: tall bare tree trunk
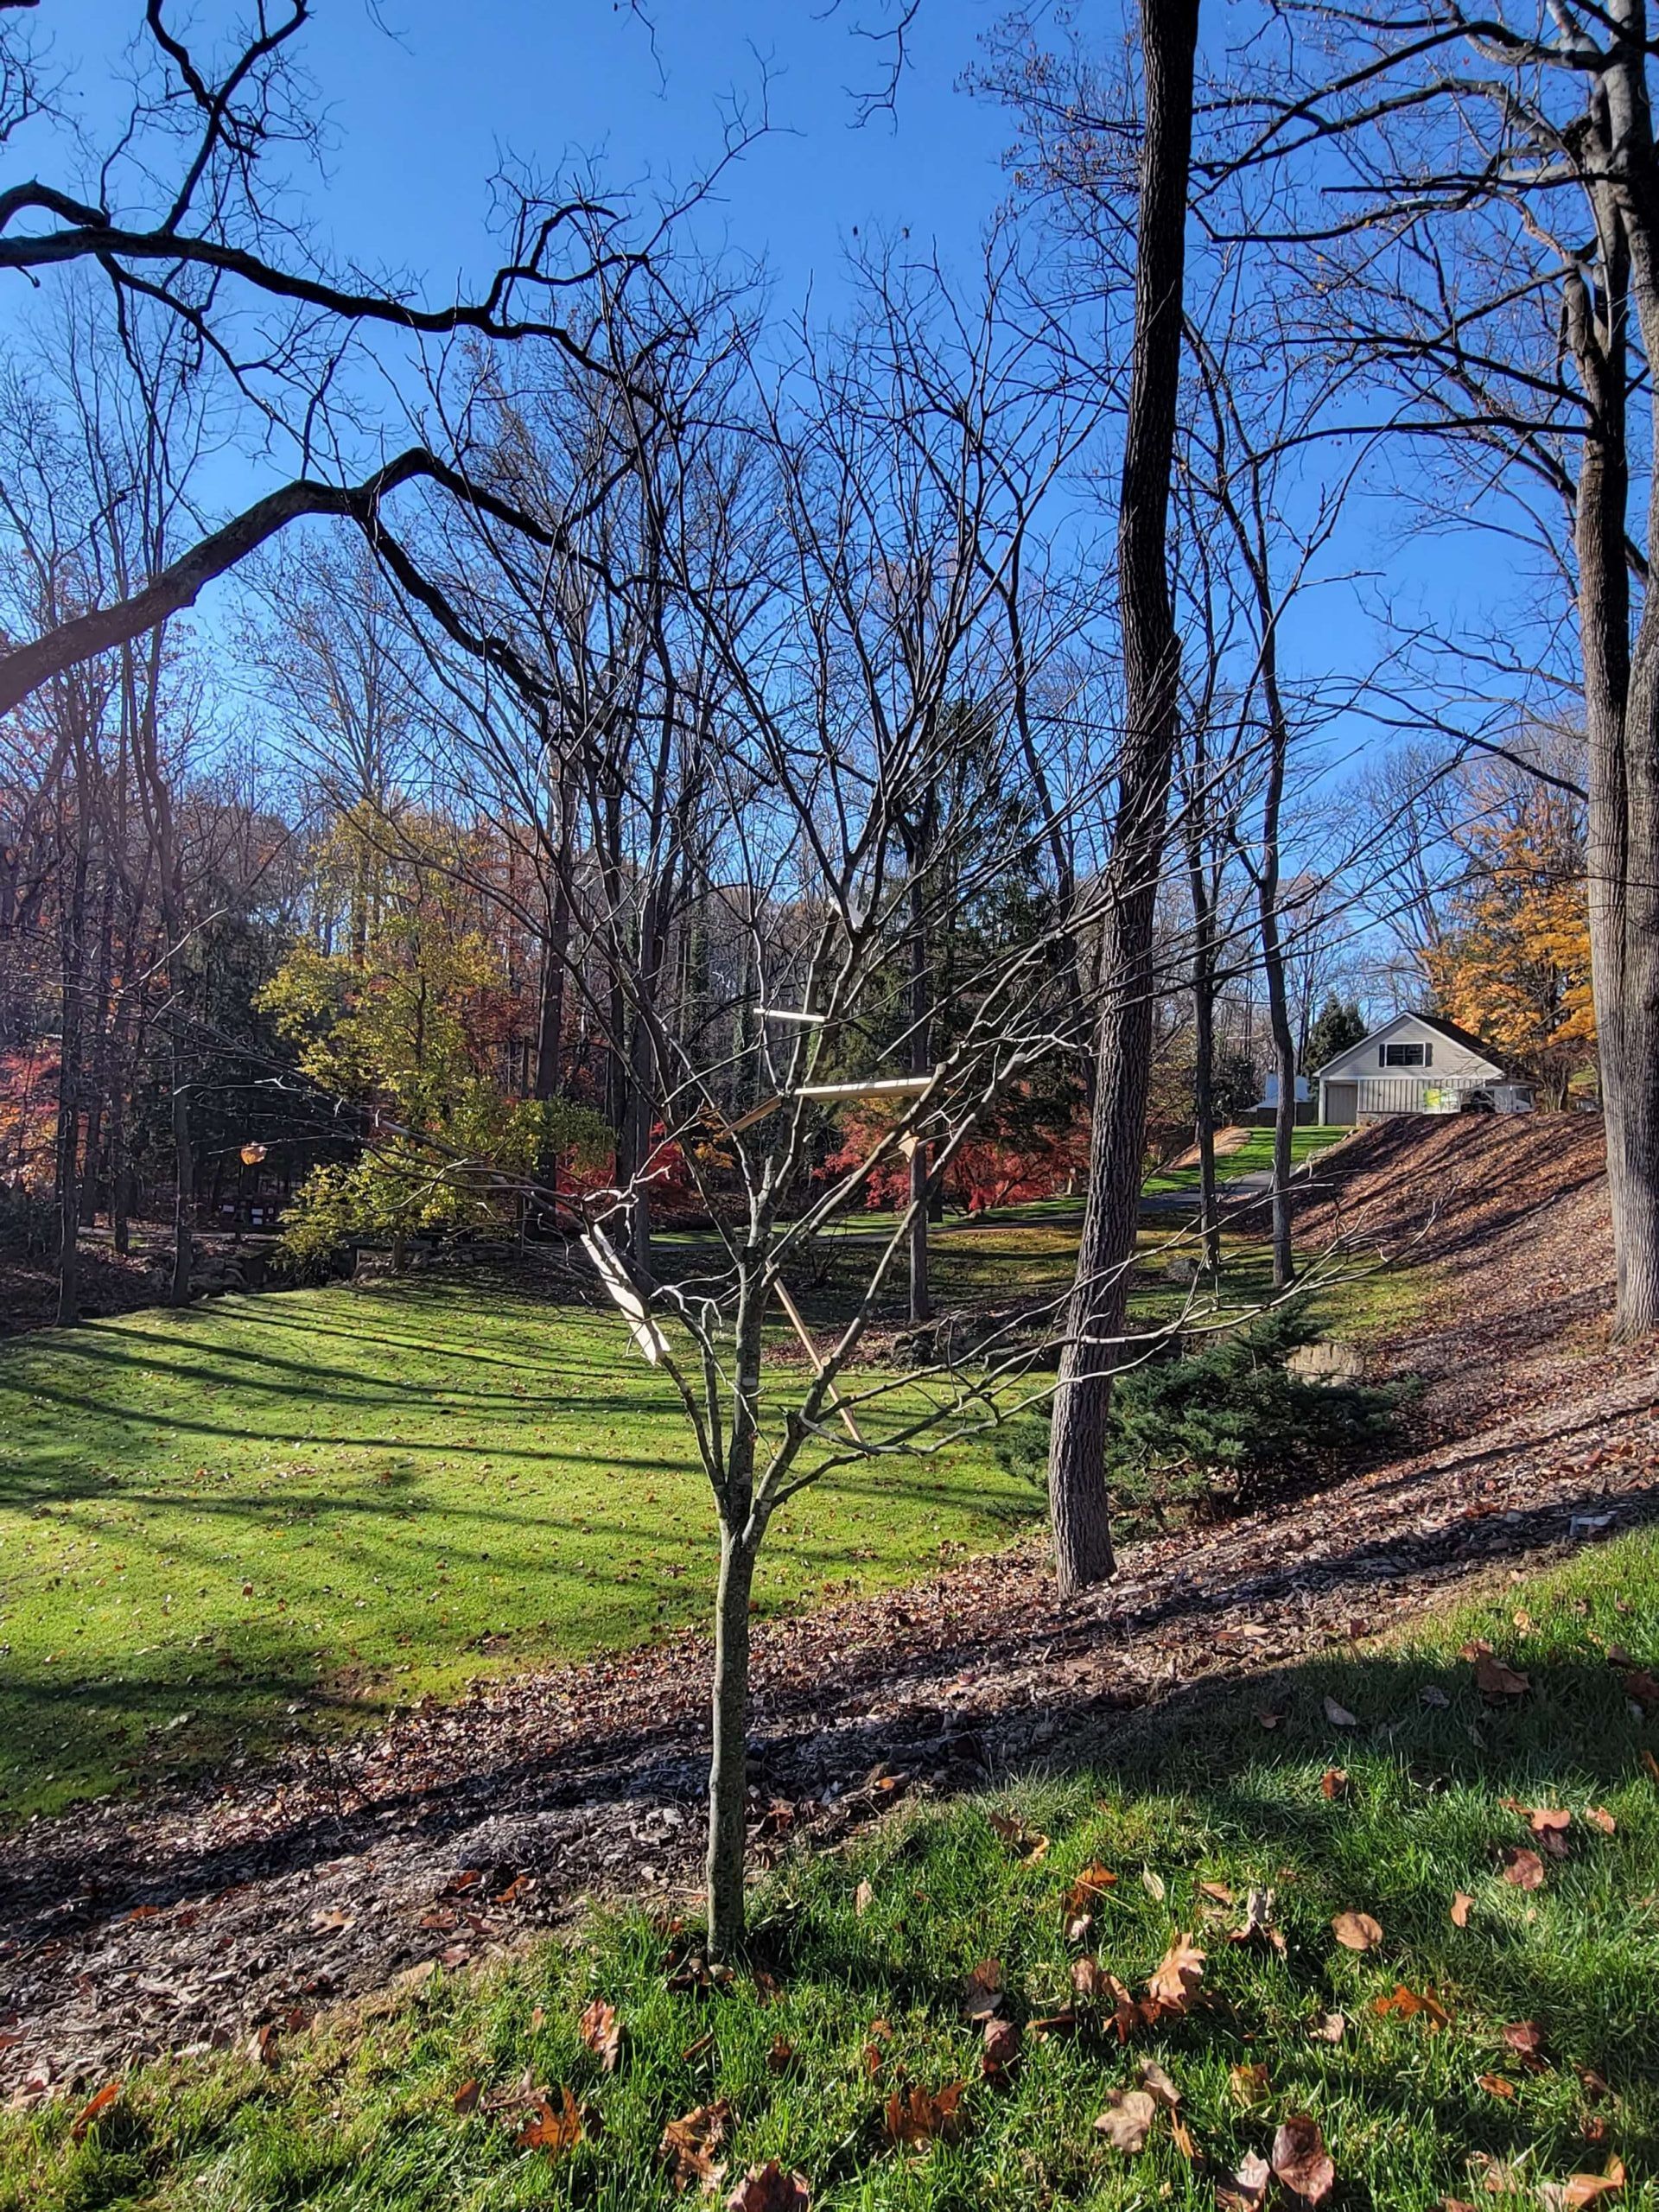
921	1057
1078	1499
739	1544
70	963
1272	967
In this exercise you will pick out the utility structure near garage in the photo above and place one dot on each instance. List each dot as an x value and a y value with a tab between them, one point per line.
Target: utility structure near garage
1418	1064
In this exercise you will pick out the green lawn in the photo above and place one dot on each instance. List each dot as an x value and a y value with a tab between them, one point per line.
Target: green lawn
1542	2061
1254	1156
272	1512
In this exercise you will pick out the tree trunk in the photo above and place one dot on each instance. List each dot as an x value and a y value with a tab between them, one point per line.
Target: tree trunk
921	1055
184	1187
1077	1498
1203	1006
729	1773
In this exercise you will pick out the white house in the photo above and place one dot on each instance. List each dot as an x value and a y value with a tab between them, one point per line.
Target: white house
1417	1064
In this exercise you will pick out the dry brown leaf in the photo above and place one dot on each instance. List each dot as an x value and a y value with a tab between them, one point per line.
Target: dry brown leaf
1550	1826
601	2031
1594	2087
1495	1681
1636	1682
770	2189
1301	2161
556	2132
863	1898
1154	1884
1127	2120
1526	2038
1175	1985
1460	1905
781	2055
1583	2189
919	2115
1406	2004
688	2144
1159	2085
1333	1783
1002	2048
1091	1885
1600	1817
1258	1923
981	1989
1029	1848
1496	2086
1338	1715
1244	2188
1266	1718
1181	2134
1650	1763
1087	1981
1523	1869
92	2110
1218	1890
1249	2084
465	2097
1356	1931
1328	2027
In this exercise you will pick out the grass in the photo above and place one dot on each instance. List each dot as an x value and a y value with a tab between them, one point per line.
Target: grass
1254	1157
279	1512
361	2115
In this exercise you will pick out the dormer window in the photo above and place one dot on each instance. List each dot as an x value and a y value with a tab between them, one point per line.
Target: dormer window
1405	1055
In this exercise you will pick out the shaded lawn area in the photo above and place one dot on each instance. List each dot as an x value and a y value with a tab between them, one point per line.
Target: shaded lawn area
1542	2063
1254	1157
272	1512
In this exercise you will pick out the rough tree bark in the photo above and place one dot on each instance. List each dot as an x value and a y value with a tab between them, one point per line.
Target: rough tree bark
1078	1499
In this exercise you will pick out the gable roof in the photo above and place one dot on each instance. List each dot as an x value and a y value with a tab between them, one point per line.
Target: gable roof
1449	1030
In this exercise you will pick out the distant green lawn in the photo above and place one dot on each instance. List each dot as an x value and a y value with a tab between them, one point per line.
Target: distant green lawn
1538	2061
1254	1156
268	1512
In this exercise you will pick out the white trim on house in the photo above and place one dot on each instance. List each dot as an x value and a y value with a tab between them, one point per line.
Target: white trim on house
1417	1064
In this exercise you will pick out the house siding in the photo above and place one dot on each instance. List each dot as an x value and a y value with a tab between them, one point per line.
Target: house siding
1360	1085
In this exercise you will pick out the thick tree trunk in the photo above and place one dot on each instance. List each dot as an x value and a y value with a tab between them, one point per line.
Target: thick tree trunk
1077	1497
728	1762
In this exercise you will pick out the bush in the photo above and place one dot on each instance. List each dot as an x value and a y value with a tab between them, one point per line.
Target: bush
1215	1425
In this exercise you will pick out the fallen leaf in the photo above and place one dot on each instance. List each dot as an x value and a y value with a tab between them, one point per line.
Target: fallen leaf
262	2044
1002	2048
556	2132
1582	2189
602	2033
1091	1885
1076	1930
1182	2137
1523	1869
1356	1931
1593	2084
1154	1884
770	2189
689	2143
1339	1717
1258	1923
781	2055
1127	2117
1328	2027
1087	1981
465	2097
1639	1684
1159	2085
1406	2004
92	2110
919	2115
694	2050
1650	1763
1600	1817
1333	1783
1249	2084
981	1989
863	1898
1243	2189
1218	1890
1495	1681
1550	1827
1266	1718
1526	2038
1301	2161
1029	1848
1496	2086
1432	1694
1460	1905
1175	1985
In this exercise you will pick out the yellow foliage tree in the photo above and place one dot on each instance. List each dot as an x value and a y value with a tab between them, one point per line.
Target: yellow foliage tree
1514	965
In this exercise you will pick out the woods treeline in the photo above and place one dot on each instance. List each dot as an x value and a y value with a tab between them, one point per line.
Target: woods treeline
731	770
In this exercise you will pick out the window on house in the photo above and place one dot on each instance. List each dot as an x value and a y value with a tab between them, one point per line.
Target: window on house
1406	1056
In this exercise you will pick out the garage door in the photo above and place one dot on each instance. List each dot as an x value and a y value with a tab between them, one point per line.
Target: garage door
1342	1104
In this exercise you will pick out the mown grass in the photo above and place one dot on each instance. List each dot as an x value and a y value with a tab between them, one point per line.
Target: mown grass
362	2113
1254	1156
266	1514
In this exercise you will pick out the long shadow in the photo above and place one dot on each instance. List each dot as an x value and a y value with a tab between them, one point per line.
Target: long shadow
806	1733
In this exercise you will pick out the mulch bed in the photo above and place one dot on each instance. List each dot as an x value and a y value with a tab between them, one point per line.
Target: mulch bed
127	1929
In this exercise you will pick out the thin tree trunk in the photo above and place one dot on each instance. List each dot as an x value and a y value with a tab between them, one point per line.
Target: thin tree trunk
1203	1006
69	1056
921	1054
728	1762
1077	1498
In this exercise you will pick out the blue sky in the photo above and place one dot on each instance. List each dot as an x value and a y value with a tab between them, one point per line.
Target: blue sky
422	110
